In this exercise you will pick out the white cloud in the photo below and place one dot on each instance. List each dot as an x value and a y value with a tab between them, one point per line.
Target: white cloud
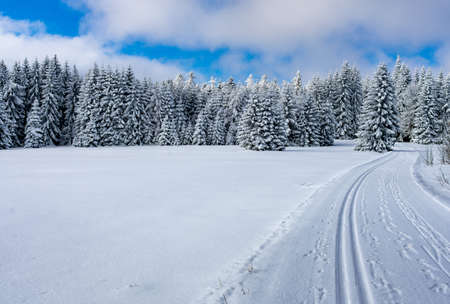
316	35
266	24
20	39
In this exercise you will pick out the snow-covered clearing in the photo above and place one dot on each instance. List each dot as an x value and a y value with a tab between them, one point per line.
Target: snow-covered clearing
205	224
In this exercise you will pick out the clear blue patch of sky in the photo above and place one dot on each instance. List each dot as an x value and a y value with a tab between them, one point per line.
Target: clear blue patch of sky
58	17
202	60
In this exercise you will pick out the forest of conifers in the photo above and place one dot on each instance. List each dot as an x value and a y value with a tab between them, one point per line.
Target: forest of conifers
49	103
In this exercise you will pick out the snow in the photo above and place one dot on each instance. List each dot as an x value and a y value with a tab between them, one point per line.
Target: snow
198	224
435	179
145	224
373	236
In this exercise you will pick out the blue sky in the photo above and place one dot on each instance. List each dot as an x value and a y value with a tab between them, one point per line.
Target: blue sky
228	38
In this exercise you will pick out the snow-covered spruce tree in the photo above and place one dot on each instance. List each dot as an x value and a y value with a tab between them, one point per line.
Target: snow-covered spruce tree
235	108
5	135
426	115
200	136
402	80
15	112
327	124
219	135
181	120
89	114
263	125
146	106
34	136
311	129
379	119
167	111
136	117
27	77
51	105
74	102
4	75
118	105
191	93
297	84
357	99
396	74
320	93
67	106
344	110
440	103
290	105
105	125
214	103
168	134
407	116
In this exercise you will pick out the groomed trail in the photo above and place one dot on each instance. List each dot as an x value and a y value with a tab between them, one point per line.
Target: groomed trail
371	236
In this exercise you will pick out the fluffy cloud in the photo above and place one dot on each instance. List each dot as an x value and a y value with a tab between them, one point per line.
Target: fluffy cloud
267	24
19	39
313	35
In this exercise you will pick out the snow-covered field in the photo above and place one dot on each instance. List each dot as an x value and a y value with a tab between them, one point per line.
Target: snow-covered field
198	224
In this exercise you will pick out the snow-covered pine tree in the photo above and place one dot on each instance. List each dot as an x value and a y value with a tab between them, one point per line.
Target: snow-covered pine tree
188	133
27	85
167	111
312	136
192	92
15	111
214	103
67	105
75	92
290	105
409	104
219	135
5	135
235	108
200	136
4	75
440	103
335	92
379	119
136	116
35	82
107	98
147	108
118	104
88	134
16	91
51	104
263	125
401	84
297	84
168	130
34	136
396	74
344	110
426	115
319	92
357	99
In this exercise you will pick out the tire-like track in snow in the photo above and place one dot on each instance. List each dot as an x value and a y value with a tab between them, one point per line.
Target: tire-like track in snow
350	271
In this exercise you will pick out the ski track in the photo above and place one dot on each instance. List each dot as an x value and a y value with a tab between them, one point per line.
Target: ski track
436	247
238	274
348	249
360	276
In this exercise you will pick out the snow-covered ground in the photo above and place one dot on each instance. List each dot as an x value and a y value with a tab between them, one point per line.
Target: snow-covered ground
372	236
433	178
207	224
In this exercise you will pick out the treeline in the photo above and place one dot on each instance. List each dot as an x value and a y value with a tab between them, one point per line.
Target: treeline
46	103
